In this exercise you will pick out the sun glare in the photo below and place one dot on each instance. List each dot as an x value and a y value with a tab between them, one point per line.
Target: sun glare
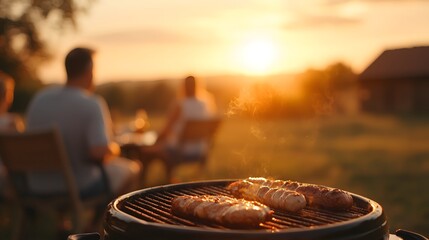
257	56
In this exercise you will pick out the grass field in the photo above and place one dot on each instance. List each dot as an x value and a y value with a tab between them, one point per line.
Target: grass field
383	158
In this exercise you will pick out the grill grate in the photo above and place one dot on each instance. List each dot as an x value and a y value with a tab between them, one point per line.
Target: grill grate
155	207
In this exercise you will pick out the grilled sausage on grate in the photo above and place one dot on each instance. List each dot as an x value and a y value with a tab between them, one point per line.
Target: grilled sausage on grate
316	195
278	198
222	210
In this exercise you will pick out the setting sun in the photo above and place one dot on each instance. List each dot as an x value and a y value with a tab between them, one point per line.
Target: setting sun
257	56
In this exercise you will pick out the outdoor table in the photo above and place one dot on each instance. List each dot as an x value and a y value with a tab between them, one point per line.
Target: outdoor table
139	146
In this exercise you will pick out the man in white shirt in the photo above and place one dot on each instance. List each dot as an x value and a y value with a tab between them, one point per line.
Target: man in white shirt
84	122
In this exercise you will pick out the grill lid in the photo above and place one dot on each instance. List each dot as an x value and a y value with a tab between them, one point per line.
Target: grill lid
145	214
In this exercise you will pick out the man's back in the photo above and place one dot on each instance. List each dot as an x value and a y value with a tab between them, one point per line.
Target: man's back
81	119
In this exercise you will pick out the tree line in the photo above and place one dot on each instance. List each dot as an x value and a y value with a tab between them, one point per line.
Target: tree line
320	92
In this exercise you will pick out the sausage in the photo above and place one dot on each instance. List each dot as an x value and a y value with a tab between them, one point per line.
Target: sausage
223	210
315	195
278	198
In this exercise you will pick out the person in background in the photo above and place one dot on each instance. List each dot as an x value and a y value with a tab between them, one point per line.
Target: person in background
9	122
195	103
84	123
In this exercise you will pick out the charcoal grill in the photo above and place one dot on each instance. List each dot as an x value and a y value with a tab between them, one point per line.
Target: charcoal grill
145	214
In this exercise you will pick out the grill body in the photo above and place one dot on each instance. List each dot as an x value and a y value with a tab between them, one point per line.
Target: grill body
145	214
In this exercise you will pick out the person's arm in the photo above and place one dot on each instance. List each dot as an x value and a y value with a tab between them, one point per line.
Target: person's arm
18	124
174	116
101	148
105	153
13	123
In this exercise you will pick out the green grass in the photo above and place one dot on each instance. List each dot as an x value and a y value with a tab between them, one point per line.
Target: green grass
383	158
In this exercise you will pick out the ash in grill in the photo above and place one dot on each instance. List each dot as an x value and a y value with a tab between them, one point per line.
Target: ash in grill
154	207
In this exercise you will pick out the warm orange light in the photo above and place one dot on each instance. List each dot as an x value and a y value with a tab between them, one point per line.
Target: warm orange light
257	56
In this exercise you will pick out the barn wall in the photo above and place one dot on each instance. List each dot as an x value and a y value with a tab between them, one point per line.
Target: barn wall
396	96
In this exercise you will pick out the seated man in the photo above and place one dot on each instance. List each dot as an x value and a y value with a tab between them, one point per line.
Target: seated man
84	122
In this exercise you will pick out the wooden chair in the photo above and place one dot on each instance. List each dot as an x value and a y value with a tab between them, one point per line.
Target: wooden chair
193	131
30	152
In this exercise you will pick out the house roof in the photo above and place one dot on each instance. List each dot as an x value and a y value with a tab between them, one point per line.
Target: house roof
399	63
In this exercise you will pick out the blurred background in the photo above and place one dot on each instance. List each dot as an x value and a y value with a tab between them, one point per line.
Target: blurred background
333	92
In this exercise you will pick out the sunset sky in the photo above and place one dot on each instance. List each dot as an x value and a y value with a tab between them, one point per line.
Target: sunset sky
152	39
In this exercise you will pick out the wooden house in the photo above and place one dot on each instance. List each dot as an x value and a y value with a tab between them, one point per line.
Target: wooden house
397	82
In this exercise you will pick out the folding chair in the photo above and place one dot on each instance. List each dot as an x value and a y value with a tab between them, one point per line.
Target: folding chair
193	131
41	151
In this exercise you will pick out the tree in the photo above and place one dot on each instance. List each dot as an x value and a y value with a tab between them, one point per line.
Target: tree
325	89
341	76
22	47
